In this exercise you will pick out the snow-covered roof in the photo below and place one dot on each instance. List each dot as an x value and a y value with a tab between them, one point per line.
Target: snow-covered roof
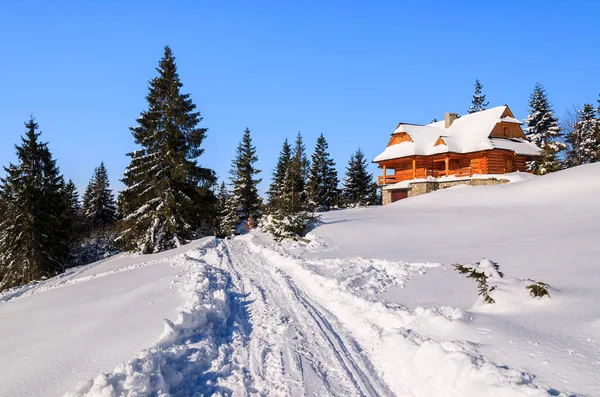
468	133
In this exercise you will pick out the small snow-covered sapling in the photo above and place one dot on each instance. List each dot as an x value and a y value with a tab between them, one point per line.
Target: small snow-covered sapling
480	272
538	289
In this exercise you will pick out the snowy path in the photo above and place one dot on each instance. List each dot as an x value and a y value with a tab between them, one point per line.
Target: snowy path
296	348
261	322
245	329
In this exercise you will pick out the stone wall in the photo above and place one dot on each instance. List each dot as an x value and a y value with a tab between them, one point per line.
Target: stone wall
418	188
386	196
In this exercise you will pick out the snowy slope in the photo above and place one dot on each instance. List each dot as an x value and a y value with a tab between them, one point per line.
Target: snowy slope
545	229
370	307
84	322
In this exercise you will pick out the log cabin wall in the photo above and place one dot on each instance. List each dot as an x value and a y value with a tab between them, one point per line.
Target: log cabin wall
504	161
476	163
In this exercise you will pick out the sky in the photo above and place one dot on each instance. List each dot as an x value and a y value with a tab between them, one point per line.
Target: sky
350	70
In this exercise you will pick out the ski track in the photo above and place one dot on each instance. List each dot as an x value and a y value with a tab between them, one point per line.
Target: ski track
246	329
258	323
296	348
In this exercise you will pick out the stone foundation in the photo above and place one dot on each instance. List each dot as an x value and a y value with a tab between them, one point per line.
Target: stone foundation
386	197
422	187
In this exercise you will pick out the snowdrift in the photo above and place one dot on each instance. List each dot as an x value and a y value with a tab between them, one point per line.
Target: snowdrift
371	306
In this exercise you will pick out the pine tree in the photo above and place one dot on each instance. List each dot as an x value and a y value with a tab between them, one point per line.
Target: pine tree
323	192
288	215
245	196
99	207
73	197
584	139
478	101
299	167
168	196
73	213
34	236
543	131
279	186
228	219
359	188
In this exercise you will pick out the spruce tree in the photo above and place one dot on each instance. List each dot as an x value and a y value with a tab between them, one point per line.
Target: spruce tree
34	236
99	207
168	196
278	187
73	197
299	168
543	131
323	192
478	102
73	213
584	139
288	215
227	212
359	188
245	196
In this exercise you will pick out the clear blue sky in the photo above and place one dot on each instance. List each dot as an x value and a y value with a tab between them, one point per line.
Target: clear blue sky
348	69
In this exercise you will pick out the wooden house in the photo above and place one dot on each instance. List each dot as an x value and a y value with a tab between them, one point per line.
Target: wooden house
488	142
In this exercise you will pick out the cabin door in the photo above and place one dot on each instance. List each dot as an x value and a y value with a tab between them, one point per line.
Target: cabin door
399	195
509	165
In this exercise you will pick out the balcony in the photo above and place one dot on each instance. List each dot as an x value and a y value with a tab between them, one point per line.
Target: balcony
423	173
386	180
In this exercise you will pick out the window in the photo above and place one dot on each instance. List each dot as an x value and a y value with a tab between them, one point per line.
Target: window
506	131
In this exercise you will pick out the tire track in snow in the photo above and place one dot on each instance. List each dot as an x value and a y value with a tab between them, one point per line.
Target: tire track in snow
296	348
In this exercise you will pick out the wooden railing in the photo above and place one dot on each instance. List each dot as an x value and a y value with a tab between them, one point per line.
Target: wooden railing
388	179
464	171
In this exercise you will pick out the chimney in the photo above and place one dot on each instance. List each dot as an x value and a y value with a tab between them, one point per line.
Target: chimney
449	118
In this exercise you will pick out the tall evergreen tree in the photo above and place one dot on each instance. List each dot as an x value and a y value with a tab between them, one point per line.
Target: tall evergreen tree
73	197
99	207
323	192
34	236
359	188
299	168
280	181
168	196
478	102
228	218
73	212
543	130
245	186
584	139
288	215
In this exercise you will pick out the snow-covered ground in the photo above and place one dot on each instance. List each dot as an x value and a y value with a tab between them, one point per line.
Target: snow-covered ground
370	307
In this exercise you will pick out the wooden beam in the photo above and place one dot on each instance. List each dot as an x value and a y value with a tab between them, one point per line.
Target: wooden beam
384	174
447	160
414	169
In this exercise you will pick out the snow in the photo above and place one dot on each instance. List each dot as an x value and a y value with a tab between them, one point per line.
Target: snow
86	321
469	133
508	119
517	145
370	306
